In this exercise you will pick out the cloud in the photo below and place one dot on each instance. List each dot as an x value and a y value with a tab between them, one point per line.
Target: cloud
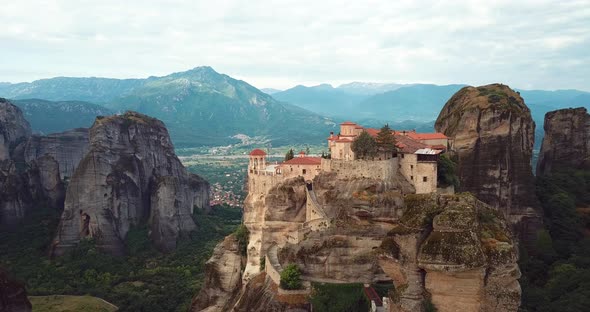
536	44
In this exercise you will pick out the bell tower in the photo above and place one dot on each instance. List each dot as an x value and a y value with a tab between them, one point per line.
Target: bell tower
257	161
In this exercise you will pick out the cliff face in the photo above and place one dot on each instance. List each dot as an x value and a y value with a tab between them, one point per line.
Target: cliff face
453	250
13	296
129	176
223	279
493	136
14	129
23	185
567	140
67	148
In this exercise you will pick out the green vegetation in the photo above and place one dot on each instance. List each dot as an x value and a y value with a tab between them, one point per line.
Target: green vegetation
70	304
143	280
51	117
386	140
289	155
291	277
242	235
429	306
364	146
447	172
556	272
339	298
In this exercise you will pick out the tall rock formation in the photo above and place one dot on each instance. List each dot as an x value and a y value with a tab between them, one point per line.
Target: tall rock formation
366	226
493	135
13	296
567	141
23	185
67	148
14	128
223	278
130	176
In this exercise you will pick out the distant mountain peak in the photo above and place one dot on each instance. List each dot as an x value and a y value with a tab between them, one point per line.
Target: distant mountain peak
205	69
324	86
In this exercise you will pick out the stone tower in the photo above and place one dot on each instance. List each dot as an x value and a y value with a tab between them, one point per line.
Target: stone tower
257	161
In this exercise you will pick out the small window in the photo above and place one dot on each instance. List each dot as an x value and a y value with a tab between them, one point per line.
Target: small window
402	155
412	178
411	166
304	171
424	179
291	169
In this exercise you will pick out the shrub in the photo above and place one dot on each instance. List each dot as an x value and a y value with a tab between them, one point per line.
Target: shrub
242	235
291	277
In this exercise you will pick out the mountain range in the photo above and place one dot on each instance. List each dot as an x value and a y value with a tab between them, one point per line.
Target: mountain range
203	107
199	106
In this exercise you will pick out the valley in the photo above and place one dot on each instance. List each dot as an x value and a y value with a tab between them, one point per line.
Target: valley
141	262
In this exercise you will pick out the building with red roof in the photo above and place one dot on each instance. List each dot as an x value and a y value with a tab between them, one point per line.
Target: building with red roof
257	152
415	157
417	153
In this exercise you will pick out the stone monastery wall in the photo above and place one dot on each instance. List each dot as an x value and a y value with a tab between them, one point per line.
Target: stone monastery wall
351	169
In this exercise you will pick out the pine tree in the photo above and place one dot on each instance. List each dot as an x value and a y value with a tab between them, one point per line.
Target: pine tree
364	146
290	155
385	140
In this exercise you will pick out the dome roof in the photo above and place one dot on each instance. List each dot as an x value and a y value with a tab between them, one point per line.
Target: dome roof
257	152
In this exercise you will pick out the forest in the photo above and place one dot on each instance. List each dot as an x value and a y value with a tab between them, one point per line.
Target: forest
143	280
556	270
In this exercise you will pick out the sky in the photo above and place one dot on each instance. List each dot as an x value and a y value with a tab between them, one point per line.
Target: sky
279	44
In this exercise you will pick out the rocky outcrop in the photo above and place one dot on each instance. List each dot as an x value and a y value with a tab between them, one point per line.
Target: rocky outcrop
492	136
14	128
67	148
260	295
566	144
129	176
275	211
45	182
15	195
223	278
13	296
467	262
23	185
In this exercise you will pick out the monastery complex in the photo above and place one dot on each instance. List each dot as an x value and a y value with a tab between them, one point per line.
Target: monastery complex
412	167
416	159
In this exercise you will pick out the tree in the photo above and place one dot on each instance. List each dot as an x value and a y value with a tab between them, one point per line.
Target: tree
386	140
290	155
447	172
364	146
291	277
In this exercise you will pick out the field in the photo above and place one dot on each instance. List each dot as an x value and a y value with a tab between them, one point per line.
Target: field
70	304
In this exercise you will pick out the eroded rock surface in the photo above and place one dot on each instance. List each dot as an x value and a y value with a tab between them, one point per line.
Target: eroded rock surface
14	128
24	185
493	135
466	262
67	148
567	141
129	176
223	279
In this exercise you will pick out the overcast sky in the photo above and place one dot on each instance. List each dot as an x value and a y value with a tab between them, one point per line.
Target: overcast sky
525	44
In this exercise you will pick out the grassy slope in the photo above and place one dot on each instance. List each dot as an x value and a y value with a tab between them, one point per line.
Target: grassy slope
70	304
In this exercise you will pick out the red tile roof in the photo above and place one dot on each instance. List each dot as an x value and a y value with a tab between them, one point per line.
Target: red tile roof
348	123
257	152
303	161
408	145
